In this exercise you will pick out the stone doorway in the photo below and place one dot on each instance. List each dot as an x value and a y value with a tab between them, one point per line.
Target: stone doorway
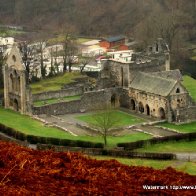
147	110
141	107
132	104
114	101
161	113
16	107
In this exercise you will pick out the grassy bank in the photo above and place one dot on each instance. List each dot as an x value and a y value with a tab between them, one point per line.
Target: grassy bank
183	128
122	118
30	126
51	101
190	85
54	83
180	146
187	167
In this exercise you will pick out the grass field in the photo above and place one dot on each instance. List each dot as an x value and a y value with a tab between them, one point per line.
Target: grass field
60	38
187	167
32	127
180	146
54	83
184	128
190	85
51	101
9	32
122	118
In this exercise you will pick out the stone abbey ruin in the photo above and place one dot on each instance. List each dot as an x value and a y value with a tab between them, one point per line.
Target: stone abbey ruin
146	85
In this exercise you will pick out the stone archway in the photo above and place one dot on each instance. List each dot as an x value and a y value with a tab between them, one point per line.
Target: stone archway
16	106
141	107
132	107
147	110
114	100
162	113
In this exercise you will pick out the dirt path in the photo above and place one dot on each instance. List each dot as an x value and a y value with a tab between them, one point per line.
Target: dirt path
156	131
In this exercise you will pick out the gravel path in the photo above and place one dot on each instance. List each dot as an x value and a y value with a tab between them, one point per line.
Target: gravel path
156	131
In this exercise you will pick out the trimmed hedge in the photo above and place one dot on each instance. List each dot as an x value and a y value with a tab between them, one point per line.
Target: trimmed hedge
106	152
143	143
47	140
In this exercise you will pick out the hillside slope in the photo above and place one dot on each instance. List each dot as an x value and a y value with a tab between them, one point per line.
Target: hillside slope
28	172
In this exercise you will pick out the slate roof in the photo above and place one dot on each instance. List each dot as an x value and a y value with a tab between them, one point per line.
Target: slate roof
172	74
115	38
151	83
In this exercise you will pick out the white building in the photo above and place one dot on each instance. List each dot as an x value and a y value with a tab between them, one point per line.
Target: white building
123	56
92	48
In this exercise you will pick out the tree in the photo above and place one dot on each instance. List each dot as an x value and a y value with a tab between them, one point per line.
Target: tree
27	54
42	45
104	120
2	61
69	52
85	61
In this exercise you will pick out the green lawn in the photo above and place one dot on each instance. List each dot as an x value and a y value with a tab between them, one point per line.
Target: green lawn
184	128
33	127
190	85
10	32
187	167
193	58
83	40
61	38
122	118
180	146
54	83
51	101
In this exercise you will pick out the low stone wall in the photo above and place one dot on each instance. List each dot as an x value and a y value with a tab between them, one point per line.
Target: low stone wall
89	101
58	94
105	152
58	108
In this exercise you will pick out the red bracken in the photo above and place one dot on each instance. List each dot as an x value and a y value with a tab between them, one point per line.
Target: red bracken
30	172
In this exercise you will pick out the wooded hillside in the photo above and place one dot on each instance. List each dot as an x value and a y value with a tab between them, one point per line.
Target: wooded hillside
145	20
98	16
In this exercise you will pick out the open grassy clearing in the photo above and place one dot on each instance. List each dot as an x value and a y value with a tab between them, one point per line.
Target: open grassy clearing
61	38
187	167
122	118
54	83
193	58
10	32
33	127
190	85
180	146
184	128
51	101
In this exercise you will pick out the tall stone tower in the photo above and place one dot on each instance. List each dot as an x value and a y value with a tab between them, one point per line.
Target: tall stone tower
16	95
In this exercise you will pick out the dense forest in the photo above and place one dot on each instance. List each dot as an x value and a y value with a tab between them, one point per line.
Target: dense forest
95	17
145	20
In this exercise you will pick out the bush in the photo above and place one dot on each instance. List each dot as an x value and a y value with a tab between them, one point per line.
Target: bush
48	140
33	139
142	143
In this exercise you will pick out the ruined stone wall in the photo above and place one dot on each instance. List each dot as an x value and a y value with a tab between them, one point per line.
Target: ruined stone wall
151	103
186	114
179	101
146	66
58	108
89	101
58	94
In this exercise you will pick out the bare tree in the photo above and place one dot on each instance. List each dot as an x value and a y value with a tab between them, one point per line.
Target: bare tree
104	120
41	51
69	52
52	68
27	54
85	61
2	61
